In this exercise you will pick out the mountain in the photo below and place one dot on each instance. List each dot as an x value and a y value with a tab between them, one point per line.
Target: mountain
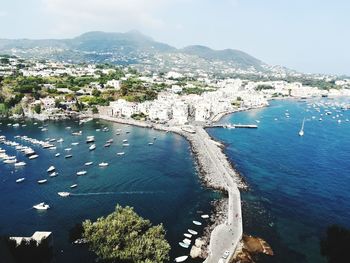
124	48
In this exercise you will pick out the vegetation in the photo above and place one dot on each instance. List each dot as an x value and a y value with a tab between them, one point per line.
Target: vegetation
336	246
138	116
123	236
263	87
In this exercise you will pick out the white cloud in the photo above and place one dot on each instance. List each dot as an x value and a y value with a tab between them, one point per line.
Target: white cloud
75	16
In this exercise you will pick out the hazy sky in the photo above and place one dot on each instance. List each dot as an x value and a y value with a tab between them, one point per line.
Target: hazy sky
307	35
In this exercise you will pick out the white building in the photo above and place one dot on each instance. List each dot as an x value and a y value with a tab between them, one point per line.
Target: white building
113	84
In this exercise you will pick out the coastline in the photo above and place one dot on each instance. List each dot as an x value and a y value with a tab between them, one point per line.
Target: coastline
216	172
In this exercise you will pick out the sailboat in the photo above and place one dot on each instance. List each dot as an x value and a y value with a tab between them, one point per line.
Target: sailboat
301	132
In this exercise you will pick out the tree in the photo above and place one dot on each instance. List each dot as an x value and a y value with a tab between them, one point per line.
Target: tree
123	236
94	110
336	246
37	108
96	93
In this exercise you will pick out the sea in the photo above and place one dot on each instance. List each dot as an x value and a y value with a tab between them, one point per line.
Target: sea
298	185
159	180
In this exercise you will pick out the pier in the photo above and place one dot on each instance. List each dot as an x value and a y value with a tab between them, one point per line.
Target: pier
217	173
233	126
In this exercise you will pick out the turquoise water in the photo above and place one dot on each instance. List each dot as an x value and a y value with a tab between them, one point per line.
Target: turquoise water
159	181
298	185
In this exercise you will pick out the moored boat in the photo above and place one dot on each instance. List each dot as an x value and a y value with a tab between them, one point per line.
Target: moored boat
42	181
73	186
181	259
81	172
63	194
103	164
19	180
51	169
41	206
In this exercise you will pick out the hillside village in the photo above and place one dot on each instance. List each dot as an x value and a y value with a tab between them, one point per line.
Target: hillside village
46	89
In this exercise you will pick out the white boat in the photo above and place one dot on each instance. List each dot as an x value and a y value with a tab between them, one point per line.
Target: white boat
90	139
192	232
181	259
57	154
182	244
34	156
301	132
150	143
187	235
41	206
103	164
187	241
92	147
74	143
63	194
120	153
125	140
20	180
73	186
204	216
68	149
197	223
19	164
125	144
42	181
10	161
51	169
60	140
109	141
68	156
54	174
107	144
89	163
81	172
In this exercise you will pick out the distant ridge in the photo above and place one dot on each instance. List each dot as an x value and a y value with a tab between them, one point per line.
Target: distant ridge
131	47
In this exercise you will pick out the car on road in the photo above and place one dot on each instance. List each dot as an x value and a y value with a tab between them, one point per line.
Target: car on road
226	254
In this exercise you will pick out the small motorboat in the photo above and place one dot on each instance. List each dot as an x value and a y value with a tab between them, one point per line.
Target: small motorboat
74	143
125	144
182	244
181	259
107	144
92	147
109	141
197	223
20	180
192	232
90	139
89	163
68	149
73	186
150	143
187	235
41	206
51	169
205	216
68	156
10	161
19	164
103	164
34	156
125	140
63	194
54	174
60	140
187	241
57	154
42	181
81	172
120	153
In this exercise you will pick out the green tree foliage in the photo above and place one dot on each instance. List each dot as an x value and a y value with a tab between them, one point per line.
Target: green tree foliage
37	108
123	236
96	93
94	110
263	87
336	246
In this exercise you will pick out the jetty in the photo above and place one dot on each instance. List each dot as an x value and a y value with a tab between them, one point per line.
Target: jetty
217	173
233	126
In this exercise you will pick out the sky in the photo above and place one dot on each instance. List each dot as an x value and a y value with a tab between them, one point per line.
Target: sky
311	36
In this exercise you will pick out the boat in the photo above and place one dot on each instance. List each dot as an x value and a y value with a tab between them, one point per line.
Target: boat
81	172
103	164
109	141
89	163
19	164
73	186
125	144
182	244
181	259
68	149
197	223
10	161
125	140
54	174
42	181
60	140
204	216
90	139
301	132
41	206
77	133
57	154
20	180
150	143
192	232
51	169
68	156
92	147
34	156
107	144
187	241
120	153
74	143
63	194
187	235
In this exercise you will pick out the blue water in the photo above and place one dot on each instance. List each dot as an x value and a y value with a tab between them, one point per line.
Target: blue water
298	185
159	181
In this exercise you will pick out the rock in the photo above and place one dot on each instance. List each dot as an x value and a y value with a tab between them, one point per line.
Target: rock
197	249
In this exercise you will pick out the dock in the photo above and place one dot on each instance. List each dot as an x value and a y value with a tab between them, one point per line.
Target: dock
233	126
